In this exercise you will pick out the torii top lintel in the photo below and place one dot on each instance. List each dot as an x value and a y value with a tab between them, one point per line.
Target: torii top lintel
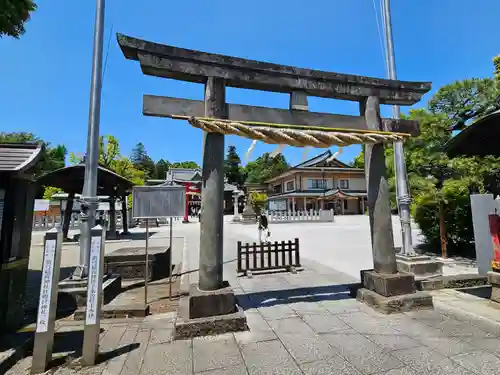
166	61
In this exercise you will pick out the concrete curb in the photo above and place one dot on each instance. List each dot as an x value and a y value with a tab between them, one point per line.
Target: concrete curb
482	322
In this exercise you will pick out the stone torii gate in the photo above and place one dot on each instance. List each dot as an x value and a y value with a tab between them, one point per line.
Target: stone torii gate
296	126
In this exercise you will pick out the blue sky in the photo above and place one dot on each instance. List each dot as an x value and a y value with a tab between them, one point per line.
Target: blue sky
45	76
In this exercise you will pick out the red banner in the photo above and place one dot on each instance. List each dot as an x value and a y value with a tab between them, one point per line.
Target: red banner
494	221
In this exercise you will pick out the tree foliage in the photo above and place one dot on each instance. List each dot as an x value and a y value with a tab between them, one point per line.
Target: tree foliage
142	161
185	164
265	167
436	179
258	200
465	100
13	15
161	169
233	169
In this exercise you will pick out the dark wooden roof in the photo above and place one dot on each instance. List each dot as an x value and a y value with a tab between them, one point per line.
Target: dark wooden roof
166	61
482	138
19	157
70	179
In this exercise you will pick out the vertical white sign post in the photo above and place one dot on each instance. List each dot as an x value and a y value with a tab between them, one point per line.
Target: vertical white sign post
47	304
94	296
146	269
170	263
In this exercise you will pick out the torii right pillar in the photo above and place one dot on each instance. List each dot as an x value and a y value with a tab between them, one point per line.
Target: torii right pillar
384	288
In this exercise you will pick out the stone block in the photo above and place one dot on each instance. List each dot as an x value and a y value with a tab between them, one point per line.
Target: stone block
494	280
452	282
203	304
395	304
389	285
76	290
421	266
213	325
129	263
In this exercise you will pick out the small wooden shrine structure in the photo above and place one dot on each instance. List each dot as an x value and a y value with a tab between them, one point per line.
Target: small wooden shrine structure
70	179
17	200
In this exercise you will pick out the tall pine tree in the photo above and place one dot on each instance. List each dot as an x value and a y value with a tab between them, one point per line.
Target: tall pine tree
233	169
142	161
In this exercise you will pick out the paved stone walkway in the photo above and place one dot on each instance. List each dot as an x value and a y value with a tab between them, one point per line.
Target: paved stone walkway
302	323
299	324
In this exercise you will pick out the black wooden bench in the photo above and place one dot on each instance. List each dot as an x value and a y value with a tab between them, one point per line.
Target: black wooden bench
268	256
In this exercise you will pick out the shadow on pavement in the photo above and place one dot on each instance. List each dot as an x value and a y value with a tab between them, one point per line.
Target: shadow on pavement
65	305
67	348
287	296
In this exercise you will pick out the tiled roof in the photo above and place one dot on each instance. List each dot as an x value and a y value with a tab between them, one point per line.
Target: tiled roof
18	156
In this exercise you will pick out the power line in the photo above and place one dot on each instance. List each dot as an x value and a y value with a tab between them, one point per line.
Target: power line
380	36
107	53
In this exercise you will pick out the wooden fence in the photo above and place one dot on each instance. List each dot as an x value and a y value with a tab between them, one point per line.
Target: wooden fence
320	216
268	256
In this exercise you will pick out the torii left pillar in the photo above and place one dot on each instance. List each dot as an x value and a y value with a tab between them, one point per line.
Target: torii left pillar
212	297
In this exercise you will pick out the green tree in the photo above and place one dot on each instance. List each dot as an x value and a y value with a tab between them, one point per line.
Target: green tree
142	161
13	15
50	191
465	100
161	169
185	164
265	168
232	167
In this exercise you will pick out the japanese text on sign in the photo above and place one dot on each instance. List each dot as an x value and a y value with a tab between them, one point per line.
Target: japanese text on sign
94	266
46	286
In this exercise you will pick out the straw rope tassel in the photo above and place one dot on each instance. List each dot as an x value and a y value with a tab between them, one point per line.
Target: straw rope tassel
295	137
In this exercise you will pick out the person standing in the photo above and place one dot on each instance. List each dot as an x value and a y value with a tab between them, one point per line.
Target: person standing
263	228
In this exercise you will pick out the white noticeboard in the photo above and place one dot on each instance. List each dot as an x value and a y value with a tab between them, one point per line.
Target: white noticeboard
46	286
94	266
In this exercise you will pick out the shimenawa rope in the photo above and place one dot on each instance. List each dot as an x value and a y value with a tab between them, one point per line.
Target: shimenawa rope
294	137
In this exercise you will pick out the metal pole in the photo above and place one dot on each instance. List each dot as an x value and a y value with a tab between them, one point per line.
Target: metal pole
146	269
89	198
170	263
402	191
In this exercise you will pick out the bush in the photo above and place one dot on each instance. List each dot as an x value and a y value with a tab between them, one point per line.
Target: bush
258	201
457	218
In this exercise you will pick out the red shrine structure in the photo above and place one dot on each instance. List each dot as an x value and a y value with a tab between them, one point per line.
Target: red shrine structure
191	180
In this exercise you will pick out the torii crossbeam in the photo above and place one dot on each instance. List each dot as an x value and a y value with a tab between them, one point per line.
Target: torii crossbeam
216	118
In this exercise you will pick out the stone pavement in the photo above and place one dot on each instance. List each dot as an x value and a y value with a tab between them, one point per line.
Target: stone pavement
302	323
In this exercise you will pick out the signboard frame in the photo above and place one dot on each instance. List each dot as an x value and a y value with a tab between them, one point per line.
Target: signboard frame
163	201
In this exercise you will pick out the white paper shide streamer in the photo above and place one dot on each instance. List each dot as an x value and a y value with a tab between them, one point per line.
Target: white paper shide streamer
335	155
250	150
277	151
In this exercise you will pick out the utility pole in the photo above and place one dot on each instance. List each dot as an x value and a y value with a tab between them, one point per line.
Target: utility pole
402	191
89	199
